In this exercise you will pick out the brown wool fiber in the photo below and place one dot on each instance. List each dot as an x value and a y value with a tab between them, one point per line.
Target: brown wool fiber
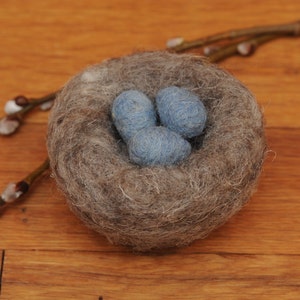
150	208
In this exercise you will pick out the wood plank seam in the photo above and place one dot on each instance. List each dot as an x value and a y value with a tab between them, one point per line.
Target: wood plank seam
1	268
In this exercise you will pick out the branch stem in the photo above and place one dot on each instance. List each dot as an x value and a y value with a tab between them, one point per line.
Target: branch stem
30	178
33	102
281	29
232	49
16	190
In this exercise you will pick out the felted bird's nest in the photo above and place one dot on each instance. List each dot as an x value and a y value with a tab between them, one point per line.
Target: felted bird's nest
155	207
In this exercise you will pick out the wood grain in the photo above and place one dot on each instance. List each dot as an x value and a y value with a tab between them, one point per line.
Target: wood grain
46	252
2	256
113	275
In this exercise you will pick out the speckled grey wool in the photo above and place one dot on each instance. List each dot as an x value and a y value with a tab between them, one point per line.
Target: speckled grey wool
149	208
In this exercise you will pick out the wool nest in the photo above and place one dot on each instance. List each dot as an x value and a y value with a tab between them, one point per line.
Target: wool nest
155	207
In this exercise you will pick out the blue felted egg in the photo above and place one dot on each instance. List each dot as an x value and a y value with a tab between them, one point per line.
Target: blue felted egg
181	111
131	112
158	146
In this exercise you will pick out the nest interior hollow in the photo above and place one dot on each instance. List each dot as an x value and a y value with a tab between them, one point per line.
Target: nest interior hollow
150	208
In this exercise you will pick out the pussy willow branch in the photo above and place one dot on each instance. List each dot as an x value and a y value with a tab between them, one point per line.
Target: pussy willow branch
250	46
31	105
280	29
17	108
242	42
30	178
15	190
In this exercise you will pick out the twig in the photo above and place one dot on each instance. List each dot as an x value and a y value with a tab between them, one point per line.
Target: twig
32	104
10	123
15	190
243	48
281	29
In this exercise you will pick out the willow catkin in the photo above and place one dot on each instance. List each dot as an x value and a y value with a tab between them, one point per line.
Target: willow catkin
149	208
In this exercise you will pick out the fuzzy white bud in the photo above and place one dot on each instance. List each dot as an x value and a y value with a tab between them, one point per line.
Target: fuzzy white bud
10	194
11	107
174	42
208	50
8	126
245	48
46	105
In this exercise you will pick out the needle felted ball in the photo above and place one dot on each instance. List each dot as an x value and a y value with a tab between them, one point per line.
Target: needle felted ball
131	112
134	116
181	111
158	146
155	207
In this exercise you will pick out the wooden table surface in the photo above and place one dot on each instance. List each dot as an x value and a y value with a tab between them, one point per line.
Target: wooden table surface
47	253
